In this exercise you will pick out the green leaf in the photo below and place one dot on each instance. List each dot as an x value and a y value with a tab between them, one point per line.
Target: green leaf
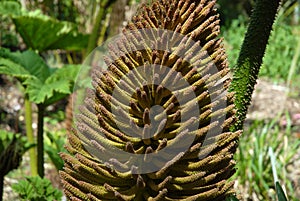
280	193
10	8
41	33
35	64
8	67
24	189
54	147
67	73
23	65
5	139
36	189
39	92
72	42
44	85
54	156
56	86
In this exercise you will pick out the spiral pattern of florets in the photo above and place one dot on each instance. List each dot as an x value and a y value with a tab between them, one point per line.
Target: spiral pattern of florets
142	105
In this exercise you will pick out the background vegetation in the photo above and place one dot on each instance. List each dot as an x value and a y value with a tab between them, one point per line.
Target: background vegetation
95	21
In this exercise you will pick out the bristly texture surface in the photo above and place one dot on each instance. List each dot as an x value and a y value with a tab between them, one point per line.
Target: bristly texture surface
203	170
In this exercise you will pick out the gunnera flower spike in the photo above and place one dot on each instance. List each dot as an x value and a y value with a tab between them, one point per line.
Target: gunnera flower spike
155	124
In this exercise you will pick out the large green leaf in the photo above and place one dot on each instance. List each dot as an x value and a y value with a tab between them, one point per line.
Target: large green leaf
72	41
23	65
44	85
67	73
41	32
11	68
54	147
39	92
55	87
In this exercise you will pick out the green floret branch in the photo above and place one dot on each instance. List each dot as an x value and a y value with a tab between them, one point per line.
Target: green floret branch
203	171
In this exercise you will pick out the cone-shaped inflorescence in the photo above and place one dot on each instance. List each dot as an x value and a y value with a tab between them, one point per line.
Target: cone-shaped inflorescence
155	126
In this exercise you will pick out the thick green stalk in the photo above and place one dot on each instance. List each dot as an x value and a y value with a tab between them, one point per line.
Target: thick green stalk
97	25
30	137
251	56
95	32
104	27
40	140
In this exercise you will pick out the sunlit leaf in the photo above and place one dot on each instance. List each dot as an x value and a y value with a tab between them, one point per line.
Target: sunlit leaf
8	67
43	85
41	33
36	189
55	87
39	92
72	41
67	73
23	65
53	149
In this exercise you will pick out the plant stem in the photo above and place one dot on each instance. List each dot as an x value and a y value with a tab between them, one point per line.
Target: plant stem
30	137
69	58
251	56
104	27
40	141
94	35
294	63
104	5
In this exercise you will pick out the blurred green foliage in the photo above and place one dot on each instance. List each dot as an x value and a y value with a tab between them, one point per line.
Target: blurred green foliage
230	10
43	84
254	170
36	189
279	55
61	10
55	141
